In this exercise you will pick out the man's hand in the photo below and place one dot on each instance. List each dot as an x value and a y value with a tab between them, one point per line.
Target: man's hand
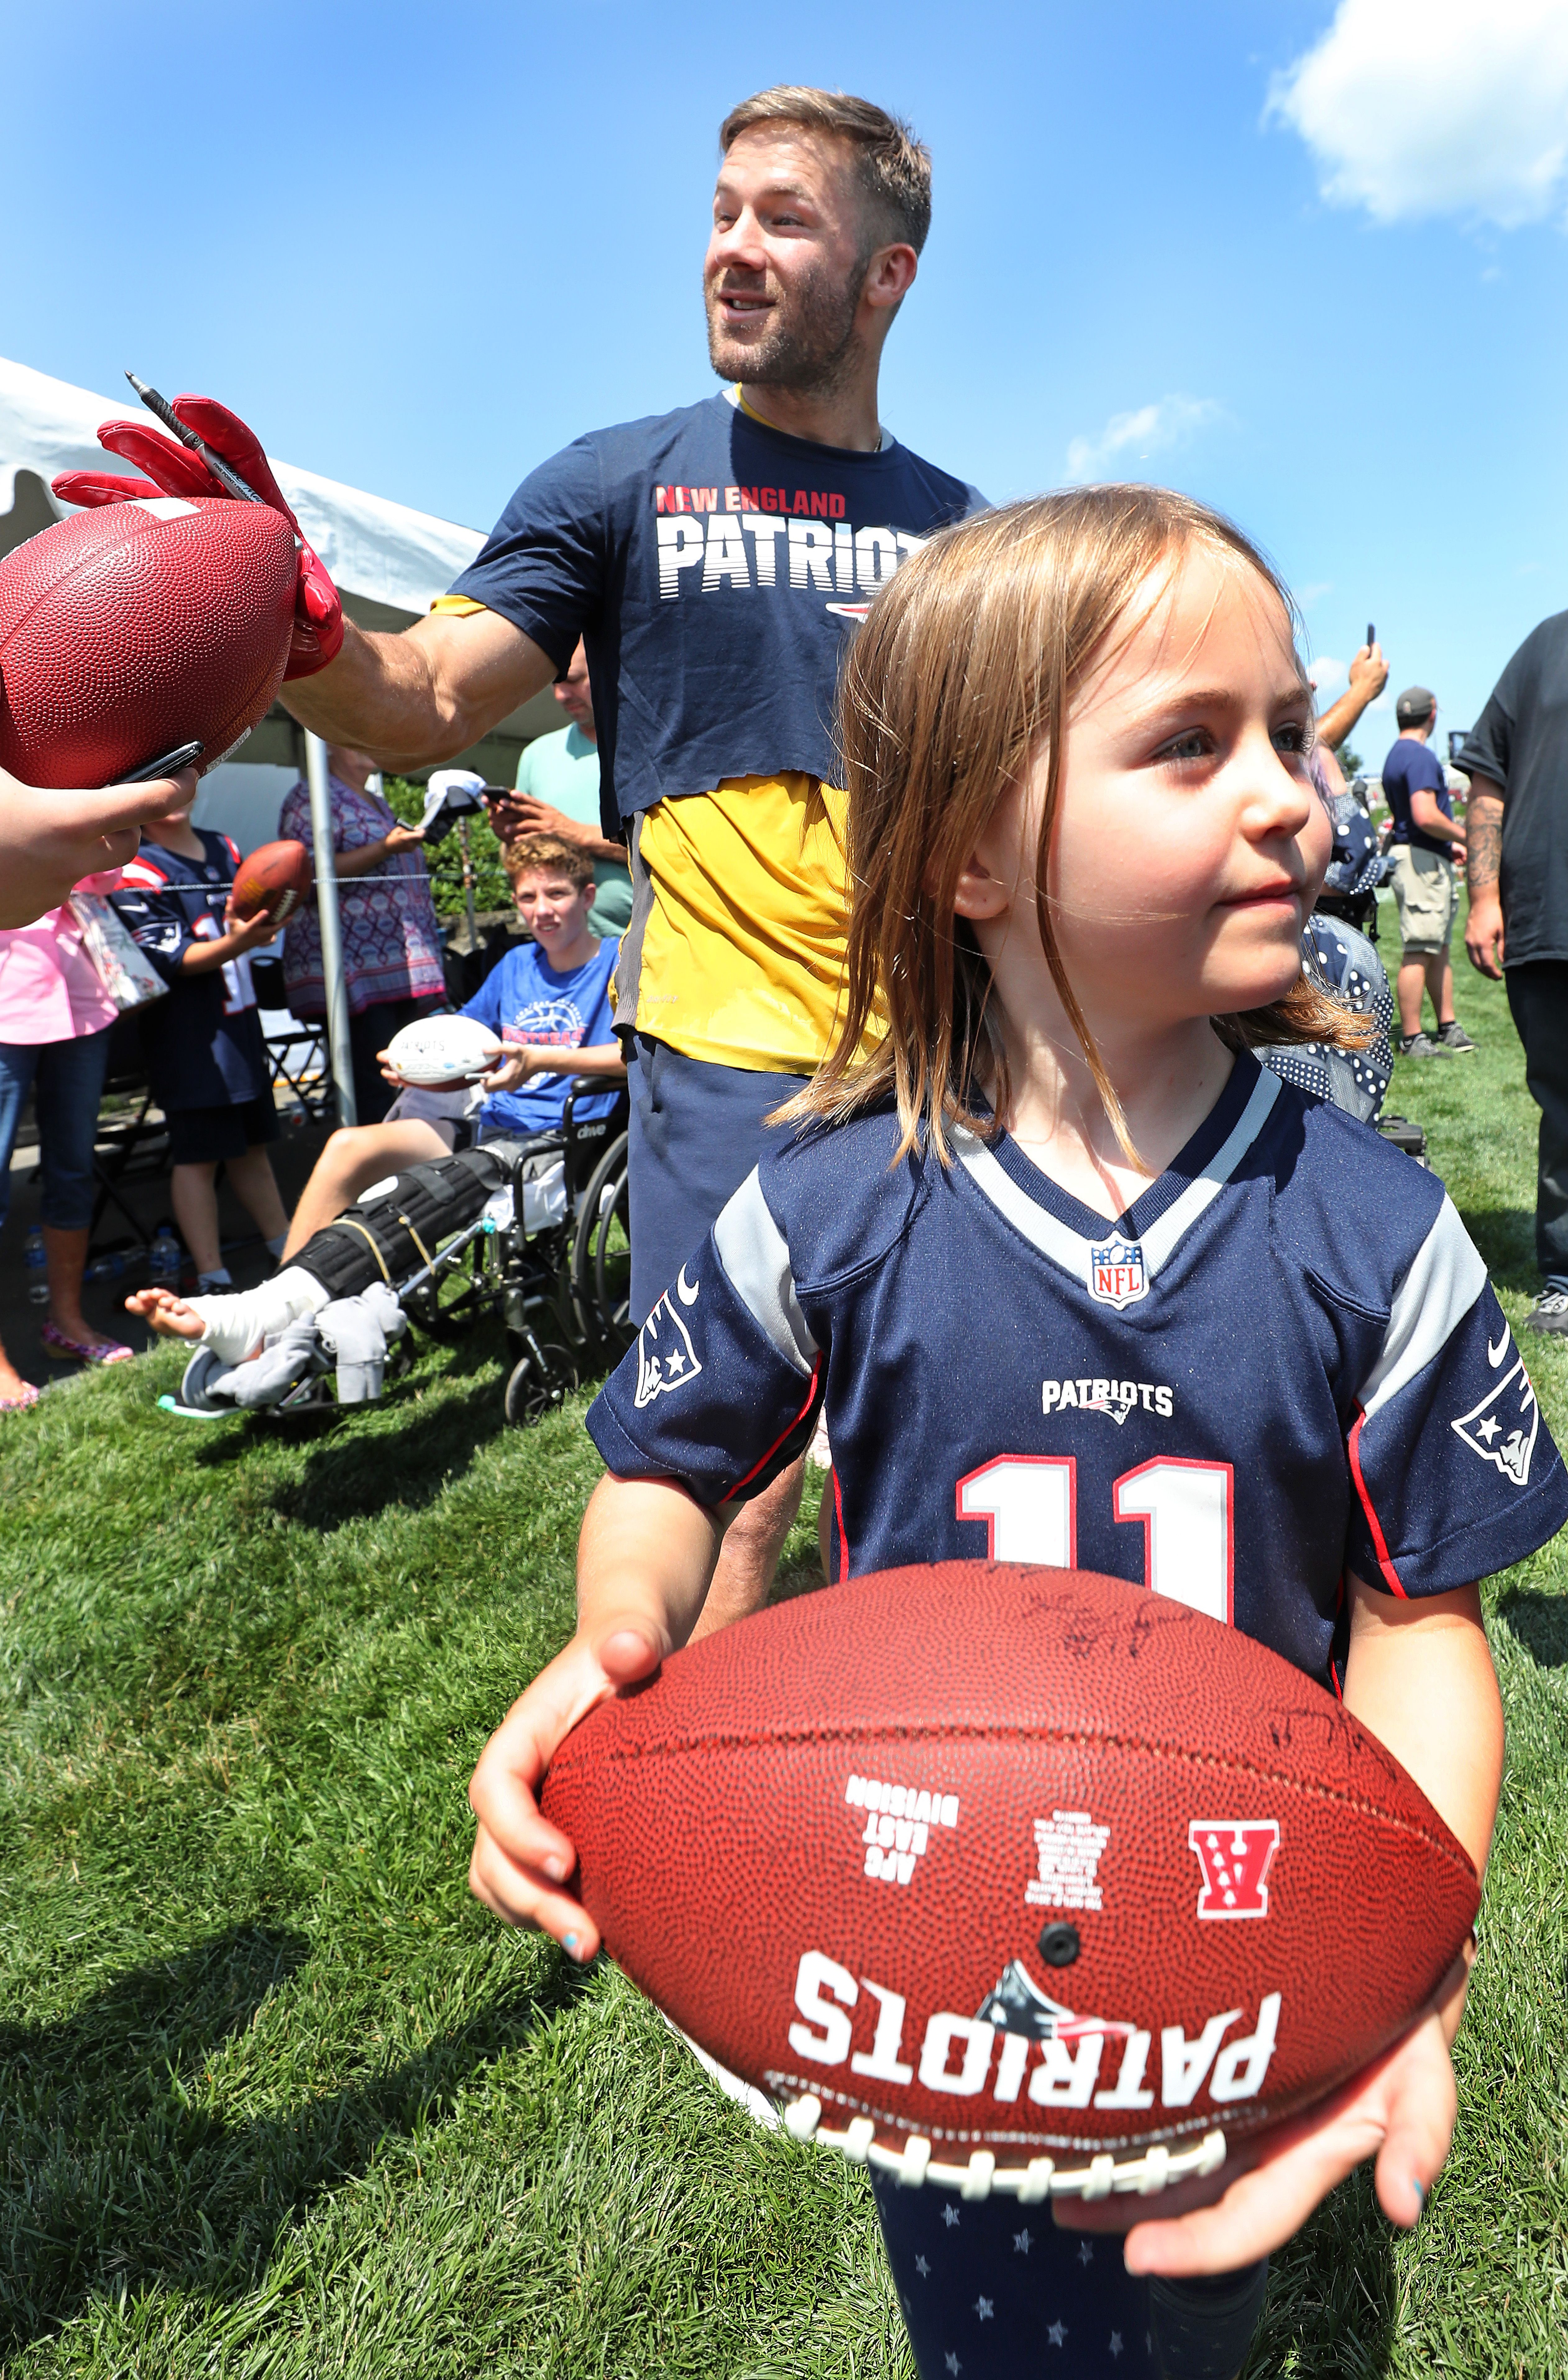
1368	673
520	1862
1400	2111
1484	935
541	818
50	838
174	470
521	814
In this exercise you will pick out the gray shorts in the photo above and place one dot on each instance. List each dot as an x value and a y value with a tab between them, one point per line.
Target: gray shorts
697	1131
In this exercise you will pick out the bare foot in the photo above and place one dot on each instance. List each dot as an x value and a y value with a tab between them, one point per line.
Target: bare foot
171	1316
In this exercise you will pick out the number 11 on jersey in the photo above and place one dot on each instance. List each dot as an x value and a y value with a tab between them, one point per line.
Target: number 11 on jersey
1029	1503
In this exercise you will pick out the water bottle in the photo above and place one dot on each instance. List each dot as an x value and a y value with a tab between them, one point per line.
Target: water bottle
165	1256
107	1268
33	1262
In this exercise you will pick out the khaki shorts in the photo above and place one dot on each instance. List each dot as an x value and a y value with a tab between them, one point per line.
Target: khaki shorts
1423	893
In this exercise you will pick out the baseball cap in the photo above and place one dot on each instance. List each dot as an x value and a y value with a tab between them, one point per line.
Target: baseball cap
1415	704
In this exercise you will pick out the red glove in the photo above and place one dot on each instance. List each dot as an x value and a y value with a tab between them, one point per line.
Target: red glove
174	470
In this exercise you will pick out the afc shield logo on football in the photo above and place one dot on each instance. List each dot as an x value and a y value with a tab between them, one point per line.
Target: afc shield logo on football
1236	1855
1116	1273
665	1356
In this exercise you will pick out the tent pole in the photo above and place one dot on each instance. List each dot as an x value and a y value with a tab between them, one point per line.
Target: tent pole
331	927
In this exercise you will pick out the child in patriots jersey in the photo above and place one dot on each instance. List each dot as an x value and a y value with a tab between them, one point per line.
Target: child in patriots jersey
1081	1282
206	1056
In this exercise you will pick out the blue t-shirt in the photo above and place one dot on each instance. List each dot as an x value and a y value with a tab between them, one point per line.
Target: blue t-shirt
525	999
203	1043
1411	767
713	566
1284	1359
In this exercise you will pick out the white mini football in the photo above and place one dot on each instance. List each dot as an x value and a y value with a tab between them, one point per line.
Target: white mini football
442	1050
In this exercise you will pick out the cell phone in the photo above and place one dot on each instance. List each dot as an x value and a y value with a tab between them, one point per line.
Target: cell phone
168	764
1371	635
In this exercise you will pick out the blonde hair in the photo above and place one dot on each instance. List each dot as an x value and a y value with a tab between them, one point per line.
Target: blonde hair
964	674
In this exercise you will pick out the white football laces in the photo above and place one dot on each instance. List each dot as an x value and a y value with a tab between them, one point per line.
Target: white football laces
1143	2177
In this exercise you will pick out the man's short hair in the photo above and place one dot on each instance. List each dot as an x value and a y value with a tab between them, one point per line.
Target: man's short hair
531	854
1414	706
892	168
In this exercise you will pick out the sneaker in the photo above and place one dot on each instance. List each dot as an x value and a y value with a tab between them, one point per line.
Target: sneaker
1421	1044
1453	1036
1550	1312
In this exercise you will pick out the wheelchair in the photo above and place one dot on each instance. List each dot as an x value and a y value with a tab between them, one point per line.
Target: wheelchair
561	1288
531	1231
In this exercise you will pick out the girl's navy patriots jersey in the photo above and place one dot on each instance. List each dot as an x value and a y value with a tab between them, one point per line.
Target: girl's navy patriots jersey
1283	1361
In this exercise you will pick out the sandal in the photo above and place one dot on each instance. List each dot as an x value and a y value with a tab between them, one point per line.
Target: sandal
28	1397
77	1350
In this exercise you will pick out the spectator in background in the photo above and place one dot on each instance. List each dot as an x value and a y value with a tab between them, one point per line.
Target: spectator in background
558	794
206	1059
391	938
1516	758
1426	843
1368	675
54	1020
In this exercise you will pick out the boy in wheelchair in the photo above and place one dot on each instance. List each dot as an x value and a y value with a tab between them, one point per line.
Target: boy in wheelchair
506	1153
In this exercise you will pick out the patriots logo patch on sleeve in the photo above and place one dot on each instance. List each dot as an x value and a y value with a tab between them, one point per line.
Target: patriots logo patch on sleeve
665	1356
1501	1428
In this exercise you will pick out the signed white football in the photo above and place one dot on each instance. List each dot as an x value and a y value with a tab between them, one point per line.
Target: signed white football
438	1049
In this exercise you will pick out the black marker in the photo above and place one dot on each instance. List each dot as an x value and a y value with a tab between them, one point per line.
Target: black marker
168	764
223	472
1371	635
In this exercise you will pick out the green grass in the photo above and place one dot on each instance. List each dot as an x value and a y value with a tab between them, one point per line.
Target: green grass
278	2099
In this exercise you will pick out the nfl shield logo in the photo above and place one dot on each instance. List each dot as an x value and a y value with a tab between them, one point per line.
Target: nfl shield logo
1115	1273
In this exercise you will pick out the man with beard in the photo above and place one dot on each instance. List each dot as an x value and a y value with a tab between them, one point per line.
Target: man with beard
712	560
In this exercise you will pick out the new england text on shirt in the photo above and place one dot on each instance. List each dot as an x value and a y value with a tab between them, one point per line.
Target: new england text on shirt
710	526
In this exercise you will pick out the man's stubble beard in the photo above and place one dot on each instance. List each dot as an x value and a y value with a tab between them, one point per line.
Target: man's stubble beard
813	350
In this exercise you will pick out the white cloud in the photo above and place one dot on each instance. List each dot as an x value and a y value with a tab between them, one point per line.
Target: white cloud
1329	676
1431	107
1151	429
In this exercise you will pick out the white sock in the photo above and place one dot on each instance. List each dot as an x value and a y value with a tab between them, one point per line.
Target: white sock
235	1326
275	1247
220	1279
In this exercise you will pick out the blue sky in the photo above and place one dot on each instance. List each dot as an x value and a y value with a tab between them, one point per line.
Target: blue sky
421	249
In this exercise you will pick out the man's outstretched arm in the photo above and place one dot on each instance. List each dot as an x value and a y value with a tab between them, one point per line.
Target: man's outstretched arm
1483	855
417	697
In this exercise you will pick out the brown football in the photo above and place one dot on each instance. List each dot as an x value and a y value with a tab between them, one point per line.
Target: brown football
1010	1878
272	881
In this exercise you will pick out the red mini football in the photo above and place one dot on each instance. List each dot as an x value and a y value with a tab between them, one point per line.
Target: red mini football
272	881
136	628
985	1871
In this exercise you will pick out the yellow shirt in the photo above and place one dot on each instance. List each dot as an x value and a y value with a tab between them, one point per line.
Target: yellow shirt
736	948
742	956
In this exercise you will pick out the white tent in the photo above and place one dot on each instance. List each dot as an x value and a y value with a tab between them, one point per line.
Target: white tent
389	562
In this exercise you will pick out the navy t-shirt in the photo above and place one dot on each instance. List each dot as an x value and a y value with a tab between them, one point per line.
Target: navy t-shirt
525	999
713	566
1521	742
1413	768
203	1044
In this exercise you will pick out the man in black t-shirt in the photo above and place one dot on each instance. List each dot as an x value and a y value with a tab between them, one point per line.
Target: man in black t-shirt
1516	756
1424	841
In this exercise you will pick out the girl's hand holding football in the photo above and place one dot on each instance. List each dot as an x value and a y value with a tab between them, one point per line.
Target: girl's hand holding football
644	1563
1419	1676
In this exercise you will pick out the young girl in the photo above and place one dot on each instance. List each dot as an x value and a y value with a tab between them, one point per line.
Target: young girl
1081	1282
